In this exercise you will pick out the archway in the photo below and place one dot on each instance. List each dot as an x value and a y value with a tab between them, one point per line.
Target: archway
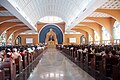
18	40
82	40
45	30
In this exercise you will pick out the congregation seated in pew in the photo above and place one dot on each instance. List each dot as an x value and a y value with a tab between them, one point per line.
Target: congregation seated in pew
101	58
14	59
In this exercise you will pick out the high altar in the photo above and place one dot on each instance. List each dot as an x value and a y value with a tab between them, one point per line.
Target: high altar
51	39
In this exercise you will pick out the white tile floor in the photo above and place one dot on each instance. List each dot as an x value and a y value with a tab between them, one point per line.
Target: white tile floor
55	66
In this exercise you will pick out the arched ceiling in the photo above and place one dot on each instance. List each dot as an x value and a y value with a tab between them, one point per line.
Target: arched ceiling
108	5
8	21
111	4
71	11
99	14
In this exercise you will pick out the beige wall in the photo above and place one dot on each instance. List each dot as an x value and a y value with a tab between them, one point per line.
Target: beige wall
41	25
67	36
34	36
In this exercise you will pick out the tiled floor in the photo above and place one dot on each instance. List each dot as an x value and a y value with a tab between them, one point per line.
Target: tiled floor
55	66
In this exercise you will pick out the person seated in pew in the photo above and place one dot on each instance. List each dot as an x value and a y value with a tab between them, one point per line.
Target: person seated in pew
98	52
102	51
15	54
22	52
107	53
29	50
8	53
33	48
118	50
114	57
80	50
8	56
85	50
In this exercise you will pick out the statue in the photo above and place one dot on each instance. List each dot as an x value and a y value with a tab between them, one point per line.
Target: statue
51	36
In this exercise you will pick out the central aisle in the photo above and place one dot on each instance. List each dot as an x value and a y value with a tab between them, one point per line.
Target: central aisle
55	66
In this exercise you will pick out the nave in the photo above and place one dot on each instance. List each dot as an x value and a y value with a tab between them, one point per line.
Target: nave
55	66
85	33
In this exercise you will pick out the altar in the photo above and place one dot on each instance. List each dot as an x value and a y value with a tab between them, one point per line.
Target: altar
51	44
51	39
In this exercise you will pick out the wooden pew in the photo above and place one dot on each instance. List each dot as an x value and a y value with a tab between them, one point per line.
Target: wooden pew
34	55
75	54
98	59
83	57
19	66
28	58
116	72
31	56
106	66
9	69
90	60
79	55
24	63
2	77
36	52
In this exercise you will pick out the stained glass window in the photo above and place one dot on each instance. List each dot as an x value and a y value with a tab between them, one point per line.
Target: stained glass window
3	39
97	38
10	40
90	38
116	30
105	34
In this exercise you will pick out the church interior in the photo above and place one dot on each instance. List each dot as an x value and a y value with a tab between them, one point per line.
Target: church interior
59	39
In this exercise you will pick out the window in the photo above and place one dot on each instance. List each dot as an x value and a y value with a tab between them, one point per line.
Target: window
50	19
29	40
97	38
105	34
72	40
116	30
90	38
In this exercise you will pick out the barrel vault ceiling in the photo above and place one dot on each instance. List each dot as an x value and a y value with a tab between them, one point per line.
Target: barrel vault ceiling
71	11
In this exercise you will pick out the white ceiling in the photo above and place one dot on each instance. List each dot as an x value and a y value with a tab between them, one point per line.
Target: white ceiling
64	9
20	25
99	14
71	11
111	4
13	20
87	20
6	13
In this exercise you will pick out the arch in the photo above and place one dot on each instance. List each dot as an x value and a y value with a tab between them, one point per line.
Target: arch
7	25
81	39
85	28
45	30
113	12
93	25
17	32
18	40
82	32
6	18
13	29
106	22
50	24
